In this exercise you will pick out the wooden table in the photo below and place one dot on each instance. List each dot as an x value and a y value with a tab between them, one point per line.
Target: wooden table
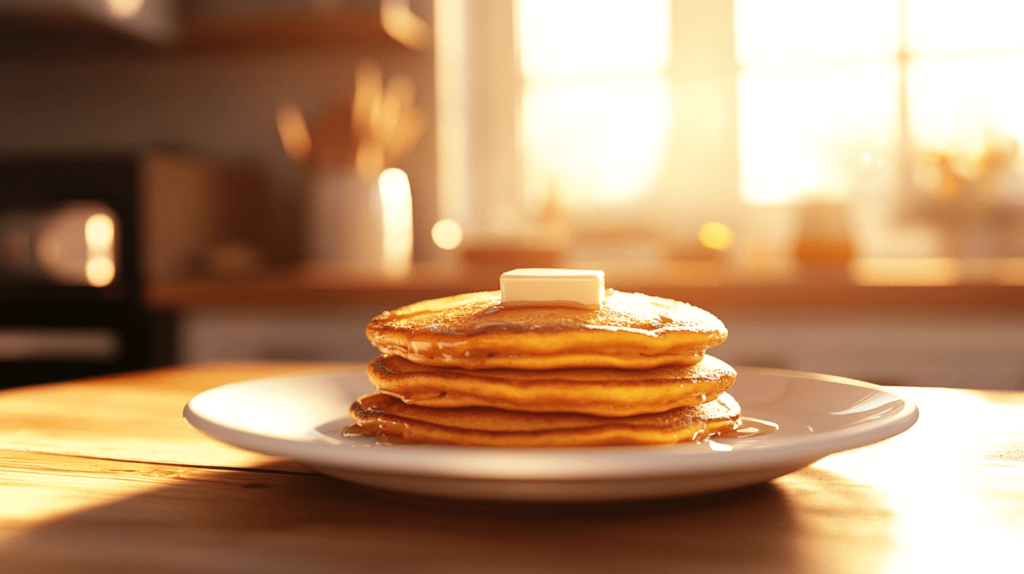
102	475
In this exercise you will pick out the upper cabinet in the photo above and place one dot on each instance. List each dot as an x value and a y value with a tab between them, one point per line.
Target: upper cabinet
60	27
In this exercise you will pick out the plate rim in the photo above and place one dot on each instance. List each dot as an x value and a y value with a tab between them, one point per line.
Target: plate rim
394	460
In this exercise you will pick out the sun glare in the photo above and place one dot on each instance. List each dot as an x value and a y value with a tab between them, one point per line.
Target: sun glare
980	25
559	37
818	92
596	114
962	116
804	131
602	142
768	32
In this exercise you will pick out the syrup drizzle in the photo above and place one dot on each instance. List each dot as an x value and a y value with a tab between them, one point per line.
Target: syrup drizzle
749	427
381	439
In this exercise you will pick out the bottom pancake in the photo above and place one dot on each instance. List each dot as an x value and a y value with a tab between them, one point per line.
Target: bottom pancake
379	414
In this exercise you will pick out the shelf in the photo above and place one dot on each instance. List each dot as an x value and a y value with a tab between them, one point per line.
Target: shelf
997	282
299	30
200	28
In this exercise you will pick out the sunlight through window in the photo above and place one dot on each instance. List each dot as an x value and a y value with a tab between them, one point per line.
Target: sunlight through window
574	37
962	115
596	101
820	86
805	131
964	26
793	31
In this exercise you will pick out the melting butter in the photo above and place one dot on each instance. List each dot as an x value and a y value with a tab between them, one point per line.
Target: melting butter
553	287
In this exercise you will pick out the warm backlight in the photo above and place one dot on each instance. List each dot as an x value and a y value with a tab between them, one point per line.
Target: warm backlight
788	31
819	89
964	26
962	117
559	37
596	110
596	141
805	130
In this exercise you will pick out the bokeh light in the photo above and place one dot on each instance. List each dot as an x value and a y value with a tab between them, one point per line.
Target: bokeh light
293	131
715	235
447	234
99	232
124	9
100	271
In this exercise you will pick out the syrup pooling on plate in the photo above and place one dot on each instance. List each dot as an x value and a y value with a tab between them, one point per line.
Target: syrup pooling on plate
746	428
750	427
356	431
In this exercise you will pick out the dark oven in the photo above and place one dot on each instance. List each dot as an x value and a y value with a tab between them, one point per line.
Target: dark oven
70	286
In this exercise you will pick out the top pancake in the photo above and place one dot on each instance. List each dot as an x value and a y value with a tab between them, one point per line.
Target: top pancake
474	331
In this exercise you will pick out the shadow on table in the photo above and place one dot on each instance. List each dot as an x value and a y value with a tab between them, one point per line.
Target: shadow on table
272	521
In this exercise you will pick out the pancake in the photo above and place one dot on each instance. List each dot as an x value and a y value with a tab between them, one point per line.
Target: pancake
601	392
474	331
379	414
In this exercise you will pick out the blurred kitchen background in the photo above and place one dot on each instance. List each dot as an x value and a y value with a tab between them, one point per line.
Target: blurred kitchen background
185	181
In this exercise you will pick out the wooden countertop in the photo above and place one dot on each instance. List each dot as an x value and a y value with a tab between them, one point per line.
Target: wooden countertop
102	475
706	284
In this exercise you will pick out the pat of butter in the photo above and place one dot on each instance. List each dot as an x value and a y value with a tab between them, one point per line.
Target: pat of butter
553	287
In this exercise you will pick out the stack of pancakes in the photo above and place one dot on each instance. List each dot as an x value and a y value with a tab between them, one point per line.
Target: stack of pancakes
467	370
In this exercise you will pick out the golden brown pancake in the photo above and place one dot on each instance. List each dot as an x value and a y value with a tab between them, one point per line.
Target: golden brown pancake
474	331
477	426
602	392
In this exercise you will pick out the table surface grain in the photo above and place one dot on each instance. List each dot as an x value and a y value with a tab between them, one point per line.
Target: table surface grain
102	475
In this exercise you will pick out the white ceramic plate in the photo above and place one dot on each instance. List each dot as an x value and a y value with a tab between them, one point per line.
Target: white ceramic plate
302	417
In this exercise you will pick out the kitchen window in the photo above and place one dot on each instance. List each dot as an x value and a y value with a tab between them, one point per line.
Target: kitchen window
669	114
